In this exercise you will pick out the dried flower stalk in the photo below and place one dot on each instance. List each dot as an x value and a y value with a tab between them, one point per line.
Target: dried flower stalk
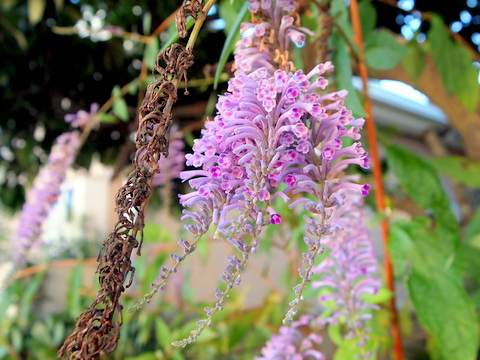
98	328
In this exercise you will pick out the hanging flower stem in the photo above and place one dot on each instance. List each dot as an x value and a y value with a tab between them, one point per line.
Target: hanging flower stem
377	175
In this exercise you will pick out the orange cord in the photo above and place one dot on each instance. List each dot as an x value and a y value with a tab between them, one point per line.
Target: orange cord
377	176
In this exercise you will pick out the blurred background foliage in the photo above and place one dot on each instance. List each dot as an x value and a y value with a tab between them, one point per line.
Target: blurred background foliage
59	57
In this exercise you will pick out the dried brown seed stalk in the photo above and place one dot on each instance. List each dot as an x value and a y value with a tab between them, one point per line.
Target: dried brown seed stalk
98	328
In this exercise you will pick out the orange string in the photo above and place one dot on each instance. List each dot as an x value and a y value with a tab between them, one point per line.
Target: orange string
377	176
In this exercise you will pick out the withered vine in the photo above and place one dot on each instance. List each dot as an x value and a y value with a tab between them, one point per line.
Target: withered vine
98	328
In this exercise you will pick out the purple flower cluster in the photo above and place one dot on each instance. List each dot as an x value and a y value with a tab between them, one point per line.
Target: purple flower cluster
82	118
44	194
349	272
277	134
299	341
273	135
46	187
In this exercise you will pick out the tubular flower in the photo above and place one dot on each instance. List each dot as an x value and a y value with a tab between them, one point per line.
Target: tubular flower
350	271
299	341
44	194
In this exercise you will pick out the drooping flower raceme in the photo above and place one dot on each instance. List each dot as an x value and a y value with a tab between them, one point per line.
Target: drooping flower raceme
44	194
275	136
46	187
298	341
350	272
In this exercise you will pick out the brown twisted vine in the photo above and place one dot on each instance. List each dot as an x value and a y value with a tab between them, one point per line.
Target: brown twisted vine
98	328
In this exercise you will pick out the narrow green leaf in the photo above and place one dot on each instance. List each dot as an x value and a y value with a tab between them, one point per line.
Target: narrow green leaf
147	23
445	310
28	296
344	75
163	334
119	106
151	52
383	51
17	339
230	11
74	297
36	8
229	44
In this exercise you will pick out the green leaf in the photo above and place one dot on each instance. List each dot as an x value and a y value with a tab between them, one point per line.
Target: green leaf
344	75
231	12
163	334
422	184
17	339
443	52
383	51
445	310
473	228
455	65
466	84
151	53
340	14
28	296
119	106
368	16
459	168
232	37
414	62
74	297
436	289
108	119
416	247
147	23
36	8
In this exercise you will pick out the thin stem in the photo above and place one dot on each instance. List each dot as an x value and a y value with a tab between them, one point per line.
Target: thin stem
377	176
